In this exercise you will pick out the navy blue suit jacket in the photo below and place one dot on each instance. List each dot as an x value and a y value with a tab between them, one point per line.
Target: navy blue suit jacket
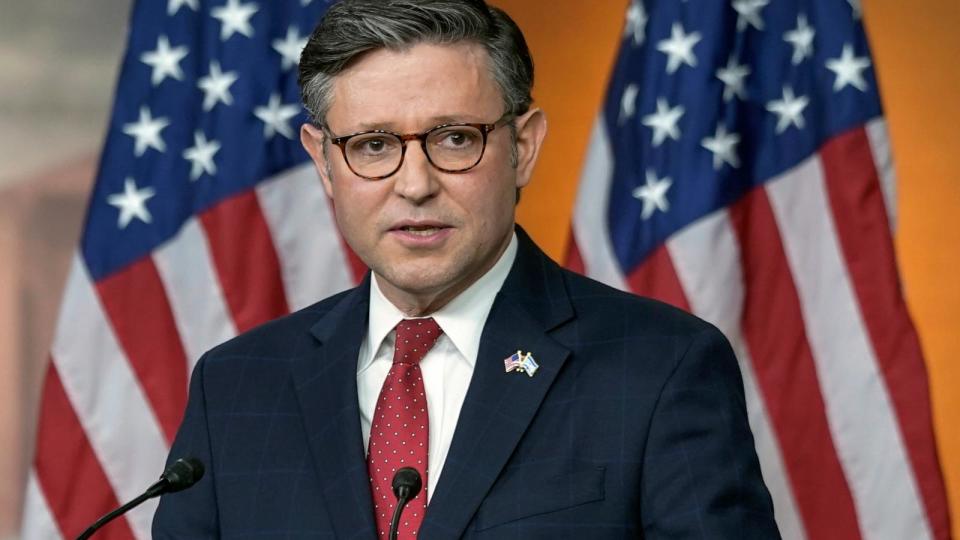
633	427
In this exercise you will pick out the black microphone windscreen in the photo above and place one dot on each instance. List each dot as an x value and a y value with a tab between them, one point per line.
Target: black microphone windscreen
184	473
409	478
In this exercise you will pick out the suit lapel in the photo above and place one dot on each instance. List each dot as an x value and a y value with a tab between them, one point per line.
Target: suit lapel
499	406
326	386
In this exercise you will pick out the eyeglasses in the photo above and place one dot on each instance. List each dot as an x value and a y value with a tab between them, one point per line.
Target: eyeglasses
451	148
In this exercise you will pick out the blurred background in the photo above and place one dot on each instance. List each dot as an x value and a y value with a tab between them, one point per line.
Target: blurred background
58	64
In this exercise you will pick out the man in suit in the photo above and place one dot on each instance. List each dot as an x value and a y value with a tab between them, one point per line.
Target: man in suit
533	402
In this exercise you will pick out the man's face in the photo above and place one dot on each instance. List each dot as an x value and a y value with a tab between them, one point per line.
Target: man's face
427	234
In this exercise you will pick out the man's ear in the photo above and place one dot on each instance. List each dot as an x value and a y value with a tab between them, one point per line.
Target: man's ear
531	130
313	139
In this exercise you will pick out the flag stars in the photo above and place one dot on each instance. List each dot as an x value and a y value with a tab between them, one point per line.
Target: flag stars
234	18
165	61
146	132
636	25
789	110
276	117
132	203
733	76
653	194
664	122
216	86
801	38
200	156
173	6
849	70
748	13
290	48
723	145
679	48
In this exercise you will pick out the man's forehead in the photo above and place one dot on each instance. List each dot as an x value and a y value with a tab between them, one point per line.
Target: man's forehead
433	82
421	61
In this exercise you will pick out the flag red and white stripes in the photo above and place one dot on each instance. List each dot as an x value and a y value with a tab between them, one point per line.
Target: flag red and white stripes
113	399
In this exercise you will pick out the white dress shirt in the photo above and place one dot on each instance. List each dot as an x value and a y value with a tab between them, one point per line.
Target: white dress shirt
447	368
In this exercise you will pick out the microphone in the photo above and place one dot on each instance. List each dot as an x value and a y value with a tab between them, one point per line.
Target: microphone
406	486
184	473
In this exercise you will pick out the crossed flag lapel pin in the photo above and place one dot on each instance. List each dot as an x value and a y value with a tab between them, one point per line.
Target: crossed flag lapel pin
521	363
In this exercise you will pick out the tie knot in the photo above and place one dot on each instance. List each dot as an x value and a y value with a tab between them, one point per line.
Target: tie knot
414	338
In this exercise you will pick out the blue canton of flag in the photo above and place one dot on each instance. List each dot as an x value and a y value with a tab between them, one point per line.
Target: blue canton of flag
207	107
710	99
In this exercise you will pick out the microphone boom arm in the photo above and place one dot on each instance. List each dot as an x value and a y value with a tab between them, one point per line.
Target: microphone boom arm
184	473
107	518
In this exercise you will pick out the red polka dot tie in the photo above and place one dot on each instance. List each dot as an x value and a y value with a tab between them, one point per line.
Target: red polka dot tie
399	433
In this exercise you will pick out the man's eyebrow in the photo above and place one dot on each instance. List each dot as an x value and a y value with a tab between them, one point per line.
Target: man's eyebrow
438	120
433	121
369	126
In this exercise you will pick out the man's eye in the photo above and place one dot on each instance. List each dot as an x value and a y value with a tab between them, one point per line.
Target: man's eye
371	145
374	145
456	138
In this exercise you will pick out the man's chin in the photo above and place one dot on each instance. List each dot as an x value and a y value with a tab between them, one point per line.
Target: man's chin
417	284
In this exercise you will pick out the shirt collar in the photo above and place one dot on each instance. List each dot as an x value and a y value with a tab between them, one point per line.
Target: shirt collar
462	319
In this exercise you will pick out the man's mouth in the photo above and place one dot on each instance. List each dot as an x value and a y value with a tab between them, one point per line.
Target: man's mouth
421	231
420	228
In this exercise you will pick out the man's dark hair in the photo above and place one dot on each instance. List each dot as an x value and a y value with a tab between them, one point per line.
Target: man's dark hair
351	28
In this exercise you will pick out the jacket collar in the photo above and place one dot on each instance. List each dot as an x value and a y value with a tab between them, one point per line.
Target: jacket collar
499	406
325	381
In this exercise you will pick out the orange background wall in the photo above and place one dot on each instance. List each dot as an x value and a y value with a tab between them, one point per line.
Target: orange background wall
916	53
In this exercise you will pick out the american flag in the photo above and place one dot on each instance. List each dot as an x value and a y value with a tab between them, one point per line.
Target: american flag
206	219
740	168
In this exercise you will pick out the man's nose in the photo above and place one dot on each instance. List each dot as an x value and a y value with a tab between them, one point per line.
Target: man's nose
416	180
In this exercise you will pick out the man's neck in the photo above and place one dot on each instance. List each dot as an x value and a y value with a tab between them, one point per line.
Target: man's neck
423	303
